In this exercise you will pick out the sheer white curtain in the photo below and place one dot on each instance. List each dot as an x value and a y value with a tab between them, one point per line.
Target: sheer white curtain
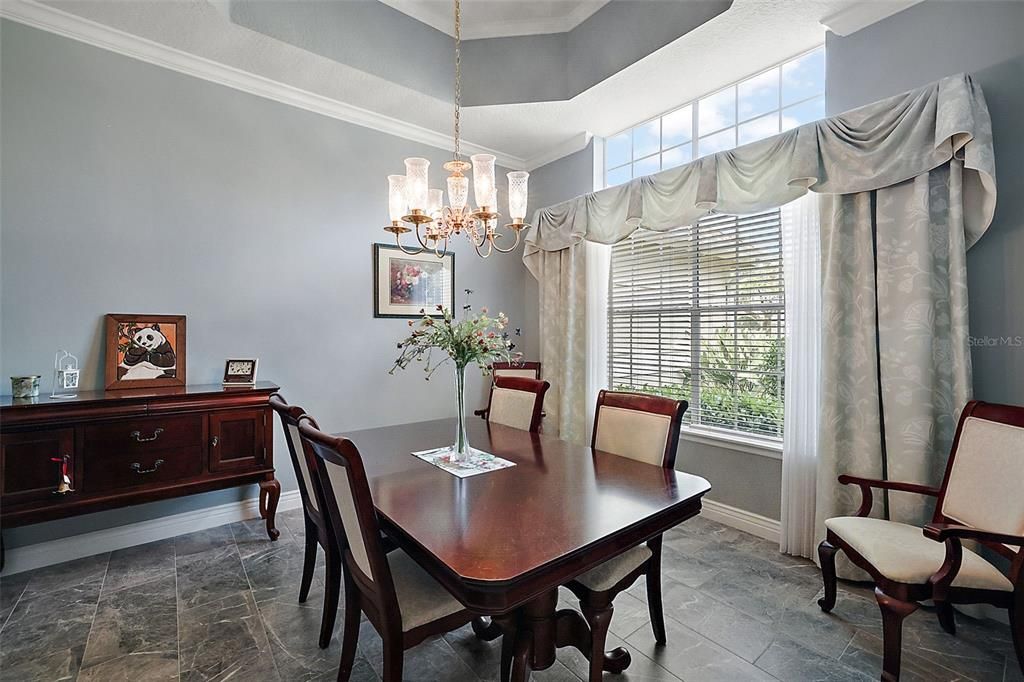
801	253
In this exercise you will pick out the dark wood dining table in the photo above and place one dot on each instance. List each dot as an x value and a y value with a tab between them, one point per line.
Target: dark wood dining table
503	541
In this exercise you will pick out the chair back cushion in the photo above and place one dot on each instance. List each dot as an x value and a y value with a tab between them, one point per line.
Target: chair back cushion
341	486
512	408
985	482
638	435
291	433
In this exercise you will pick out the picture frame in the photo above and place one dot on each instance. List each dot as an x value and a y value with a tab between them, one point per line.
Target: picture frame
405	284
144	351
240	371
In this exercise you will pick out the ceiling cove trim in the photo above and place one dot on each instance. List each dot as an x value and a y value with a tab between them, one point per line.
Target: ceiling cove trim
99	35
571	146
439	16
862	15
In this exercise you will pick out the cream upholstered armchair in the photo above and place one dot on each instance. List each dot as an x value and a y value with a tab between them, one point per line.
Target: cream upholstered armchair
981	499
403	602
517	402
644	428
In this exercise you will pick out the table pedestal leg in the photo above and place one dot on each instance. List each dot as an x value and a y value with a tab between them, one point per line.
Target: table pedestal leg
540	630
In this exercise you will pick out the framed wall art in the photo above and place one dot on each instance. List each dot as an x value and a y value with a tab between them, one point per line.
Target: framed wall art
144	351
404	284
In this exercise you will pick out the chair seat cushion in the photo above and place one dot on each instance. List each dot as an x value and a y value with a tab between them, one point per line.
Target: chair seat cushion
421	599
902	553
605	576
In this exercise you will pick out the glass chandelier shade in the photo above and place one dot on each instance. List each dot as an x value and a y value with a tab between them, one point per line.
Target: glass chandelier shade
410	199
396	198
416	183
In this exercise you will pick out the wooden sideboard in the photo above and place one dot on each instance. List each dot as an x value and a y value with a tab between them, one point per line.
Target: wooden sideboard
133	446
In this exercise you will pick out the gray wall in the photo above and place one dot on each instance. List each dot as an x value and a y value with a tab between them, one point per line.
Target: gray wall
920	45
131	188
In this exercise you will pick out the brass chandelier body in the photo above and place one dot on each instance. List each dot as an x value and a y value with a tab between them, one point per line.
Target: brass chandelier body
410	202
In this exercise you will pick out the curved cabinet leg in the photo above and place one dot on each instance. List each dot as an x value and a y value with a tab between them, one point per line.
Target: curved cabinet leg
270	494
893	612
827	557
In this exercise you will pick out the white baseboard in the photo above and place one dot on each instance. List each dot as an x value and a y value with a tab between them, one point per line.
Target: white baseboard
26	558
749	522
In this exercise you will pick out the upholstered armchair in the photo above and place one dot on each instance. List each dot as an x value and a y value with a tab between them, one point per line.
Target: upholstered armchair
981	499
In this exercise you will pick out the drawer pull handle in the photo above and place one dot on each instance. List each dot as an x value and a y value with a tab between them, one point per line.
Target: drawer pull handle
138	438
137	468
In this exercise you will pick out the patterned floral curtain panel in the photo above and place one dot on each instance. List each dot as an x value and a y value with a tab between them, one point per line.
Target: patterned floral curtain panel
910	185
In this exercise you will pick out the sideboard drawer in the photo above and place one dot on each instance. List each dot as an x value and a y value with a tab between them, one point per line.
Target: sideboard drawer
114	469
144	435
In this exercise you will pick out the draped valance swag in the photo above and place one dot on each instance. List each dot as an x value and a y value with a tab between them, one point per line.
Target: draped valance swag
868	148
906	186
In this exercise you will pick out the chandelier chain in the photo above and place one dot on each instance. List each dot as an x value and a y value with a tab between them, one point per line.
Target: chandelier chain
458	74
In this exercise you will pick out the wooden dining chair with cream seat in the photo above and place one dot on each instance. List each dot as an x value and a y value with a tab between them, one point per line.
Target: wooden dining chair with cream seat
980	500
644	428
401	600
316	529
517	402
520	370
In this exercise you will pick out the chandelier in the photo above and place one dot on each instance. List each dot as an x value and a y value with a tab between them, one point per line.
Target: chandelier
412	202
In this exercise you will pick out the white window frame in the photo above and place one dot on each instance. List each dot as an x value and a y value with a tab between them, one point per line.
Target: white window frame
694	142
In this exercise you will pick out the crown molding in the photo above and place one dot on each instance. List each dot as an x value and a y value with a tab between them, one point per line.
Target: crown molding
863	14
69	25
570	146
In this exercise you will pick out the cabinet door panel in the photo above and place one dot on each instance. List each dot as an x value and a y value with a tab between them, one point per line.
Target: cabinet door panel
28	470
236	440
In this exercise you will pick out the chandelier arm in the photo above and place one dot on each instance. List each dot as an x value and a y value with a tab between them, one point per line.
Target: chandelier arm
398	243
490	247
419	238
442	252
511	248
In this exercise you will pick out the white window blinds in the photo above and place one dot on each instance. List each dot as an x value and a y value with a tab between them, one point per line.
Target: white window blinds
698	313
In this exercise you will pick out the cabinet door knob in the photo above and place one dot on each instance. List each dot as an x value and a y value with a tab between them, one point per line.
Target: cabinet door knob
139	438
137	468
214	441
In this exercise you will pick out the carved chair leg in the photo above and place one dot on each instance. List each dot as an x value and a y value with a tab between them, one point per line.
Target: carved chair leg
893	613
599	617
653	578
332	592
945	612
827	557
308	562
350	631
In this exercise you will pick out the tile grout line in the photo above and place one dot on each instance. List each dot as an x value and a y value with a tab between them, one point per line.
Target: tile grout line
92	623
256	605
15	605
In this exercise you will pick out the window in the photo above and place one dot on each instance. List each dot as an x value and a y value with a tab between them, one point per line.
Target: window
783	97
698	313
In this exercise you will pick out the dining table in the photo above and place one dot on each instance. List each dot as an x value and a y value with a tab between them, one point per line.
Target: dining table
503	541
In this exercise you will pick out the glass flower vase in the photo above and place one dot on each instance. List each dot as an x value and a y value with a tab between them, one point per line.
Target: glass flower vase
460	448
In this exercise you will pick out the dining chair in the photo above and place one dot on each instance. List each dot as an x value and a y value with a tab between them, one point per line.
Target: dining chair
643	428
316	528
400	599
517	402
522	369
980	500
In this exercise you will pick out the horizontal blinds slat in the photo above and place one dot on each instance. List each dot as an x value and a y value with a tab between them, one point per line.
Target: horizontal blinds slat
698	313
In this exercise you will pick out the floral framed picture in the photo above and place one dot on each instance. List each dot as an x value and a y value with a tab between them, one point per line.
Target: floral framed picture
404	284
144	351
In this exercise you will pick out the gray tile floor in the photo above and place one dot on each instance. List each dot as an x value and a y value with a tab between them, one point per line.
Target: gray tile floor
221	604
